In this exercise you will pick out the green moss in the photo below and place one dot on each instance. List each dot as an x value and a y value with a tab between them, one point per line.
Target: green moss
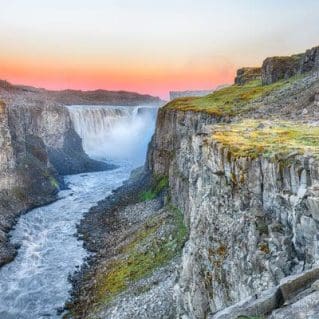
54	183
251	138
229	101
158	185
144	253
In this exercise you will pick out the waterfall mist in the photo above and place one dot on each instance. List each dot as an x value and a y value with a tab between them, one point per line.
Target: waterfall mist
114	132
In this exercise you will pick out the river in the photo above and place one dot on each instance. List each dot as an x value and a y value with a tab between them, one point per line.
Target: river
35	285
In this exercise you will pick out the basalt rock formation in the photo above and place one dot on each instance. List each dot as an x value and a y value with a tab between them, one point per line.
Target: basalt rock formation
250	200
277	68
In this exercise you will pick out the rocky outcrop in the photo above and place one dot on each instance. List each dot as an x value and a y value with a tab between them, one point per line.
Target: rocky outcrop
310	60
278	68
245	75
271	203
295	297
52	123
27	178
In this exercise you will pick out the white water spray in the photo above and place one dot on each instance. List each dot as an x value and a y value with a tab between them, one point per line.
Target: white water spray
114	132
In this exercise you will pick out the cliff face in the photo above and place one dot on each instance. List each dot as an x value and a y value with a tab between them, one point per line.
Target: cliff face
283	67
252	212
252	221
27	177
52	123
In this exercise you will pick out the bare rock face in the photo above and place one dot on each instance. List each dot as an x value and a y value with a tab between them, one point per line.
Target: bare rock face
278	68
27	178
52	123
310	60
245	75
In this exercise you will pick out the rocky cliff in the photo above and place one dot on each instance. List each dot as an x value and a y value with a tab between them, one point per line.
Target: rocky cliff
35	111
245	75
248	190
283	67
27	177
52	123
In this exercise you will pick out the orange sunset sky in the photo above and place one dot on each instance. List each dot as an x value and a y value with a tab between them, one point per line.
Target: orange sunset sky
147	46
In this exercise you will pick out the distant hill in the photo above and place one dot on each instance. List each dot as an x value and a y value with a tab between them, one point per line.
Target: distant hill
68	97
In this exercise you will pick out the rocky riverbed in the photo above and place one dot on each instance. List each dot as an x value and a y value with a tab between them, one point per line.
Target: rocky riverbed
136	243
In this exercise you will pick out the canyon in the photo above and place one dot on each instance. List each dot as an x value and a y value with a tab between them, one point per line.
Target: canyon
221	221
241	167
39	145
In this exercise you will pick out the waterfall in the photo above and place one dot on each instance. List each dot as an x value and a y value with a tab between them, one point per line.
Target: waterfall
114	132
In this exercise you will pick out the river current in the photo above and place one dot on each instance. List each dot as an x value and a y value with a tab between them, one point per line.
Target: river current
35	285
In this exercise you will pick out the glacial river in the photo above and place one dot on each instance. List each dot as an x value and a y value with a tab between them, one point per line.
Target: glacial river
35	285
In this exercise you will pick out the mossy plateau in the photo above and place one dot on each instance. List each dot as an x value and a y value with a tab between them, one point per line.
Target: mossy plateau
230	101
251	138
160	239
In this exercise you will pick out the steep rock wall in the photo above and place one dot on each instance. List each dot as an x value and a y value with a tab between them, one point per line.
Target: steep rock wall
252	221
52	123
284	67
27	178
38	143
174	131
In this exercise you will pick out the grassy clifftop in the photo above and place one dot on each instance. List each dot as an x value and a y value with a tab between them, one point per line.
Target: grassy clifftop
230	101
251	138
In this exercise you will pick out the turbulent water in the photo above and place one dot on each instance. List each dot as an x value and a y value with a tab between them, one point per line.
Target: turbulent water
129	129
35	285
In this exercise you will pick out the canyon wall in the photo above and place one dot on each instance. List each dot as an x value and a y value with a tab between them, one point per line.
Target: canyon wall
52	123
253	219
283	67
27	178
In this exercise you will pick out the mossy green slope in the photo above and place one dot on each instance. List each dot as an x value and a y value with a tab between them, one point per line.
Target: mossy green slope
160	239
230	101
251	138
